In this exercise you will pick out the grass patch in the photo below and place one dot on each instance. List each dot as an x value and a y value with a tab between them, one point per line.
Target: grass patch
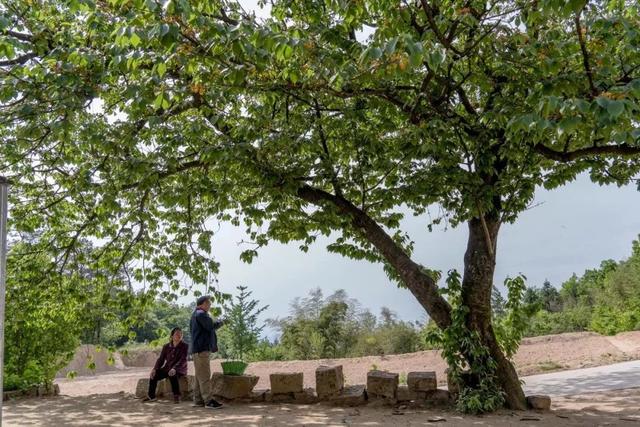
549	365
403	378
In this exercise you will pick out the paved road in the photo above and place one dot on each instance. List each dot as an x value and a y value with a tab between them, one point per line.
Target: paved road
588	380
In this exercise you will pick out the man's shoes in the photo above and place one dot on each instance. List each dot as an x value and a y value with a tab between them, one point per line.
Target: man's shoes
213	404
197	405
149	399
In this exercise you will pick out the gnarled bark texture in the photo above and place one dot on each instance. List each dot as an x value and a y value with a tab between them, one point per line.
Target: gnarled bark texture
477	282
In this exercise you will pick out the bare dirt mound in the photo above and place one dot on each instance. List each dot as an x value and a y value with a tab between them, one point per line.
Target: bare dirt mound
91	360
140	358
627	342
560	338
566	351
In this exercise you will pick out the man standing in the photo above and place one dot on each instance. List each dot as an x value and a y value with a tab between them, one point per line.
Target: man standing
203	342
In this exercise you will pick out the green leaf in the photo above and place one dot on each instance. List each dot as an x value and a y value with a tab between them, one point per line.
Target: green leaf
134	39
4	22
161	69
576	5
375	53
294	77
415	59
164	30
583	106
435	59
603	102
287	51
157	103
391	46
615	108
568	125
161	102
635	87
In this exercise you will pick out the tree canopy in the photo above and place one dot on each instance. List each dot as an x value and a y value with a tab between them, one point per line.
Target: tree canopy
137	121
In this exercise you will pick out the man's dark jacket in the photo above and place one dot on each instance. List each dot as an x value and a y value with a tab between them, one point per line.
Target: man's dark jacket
203	332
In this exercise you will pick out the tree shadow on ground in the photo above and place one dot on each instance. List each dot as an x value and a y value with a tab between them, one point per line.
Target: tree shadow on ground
122	409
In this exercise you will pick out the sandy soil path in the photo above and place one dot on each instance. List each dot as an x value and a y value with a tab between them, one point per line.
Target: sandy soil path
612	409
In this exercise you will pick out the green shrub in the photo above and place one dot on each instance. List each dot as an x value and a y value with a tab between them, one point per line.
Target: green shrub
266	351
575	319
402	379
43	311
612	320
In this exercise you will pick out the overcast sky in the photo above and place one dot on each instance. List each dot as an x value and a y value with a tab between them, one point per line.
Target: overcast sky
574	228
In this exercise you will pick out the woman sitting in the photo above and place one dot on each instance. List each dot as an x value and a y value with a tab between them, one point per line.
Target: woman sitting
171	364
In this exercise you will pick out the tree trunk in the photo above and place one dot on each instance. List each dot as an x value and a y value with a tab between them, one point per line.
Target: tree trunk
477	283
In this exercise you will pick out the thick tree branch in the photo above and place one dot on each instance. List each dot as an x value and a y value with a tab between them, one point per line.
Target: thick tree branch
433	25
21	60
585	55
325	148
623	150
226	19
167	173
16	35
468	106
421	285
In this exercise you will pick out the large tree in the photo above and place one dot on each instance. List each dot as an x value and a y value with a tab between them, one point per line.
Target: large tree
138	122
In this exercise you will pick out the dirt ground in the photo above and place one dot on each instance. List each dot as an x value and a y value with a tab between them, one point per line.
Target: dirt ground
106	399
536	355
618	408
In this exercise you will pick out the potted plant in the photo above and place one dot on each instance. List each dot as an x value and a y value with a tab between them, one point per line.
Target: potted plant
234	367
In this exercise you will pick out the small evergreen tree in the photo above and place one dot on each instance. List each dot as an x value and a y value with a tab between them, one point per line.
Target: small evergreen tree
242	331
552	302
497	303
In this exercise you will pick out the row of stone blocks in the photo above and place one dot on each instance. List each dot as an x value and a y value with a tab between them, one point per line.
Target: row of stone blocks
382	387
289	387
